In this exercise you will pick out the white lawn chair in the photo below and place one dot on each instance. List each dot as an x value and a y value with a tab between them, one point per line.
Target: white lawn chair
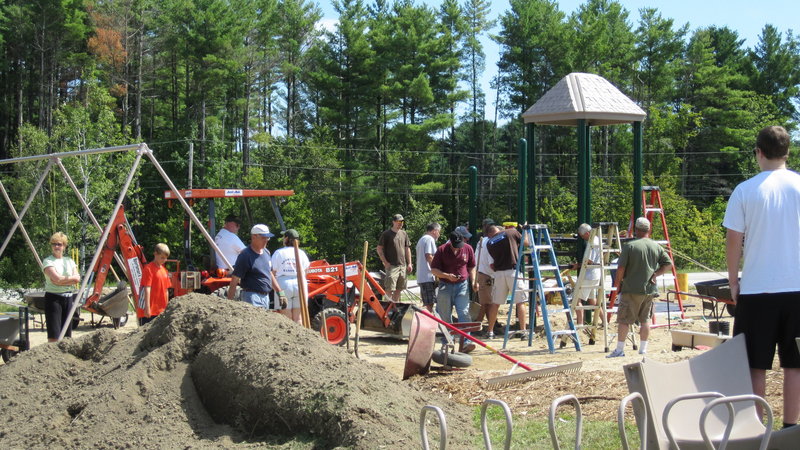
697	397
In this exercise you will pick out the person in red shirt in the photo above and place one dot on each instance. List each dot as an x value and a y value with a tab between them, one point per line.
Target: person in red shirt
154	288
454	265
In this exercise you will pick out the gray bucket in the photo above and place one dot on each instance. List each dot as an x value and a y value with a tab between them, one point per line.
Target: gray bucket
115	304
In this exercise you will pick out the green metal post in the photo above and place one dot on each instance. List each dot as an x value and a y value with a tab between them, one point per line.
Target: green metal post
637	169
473	204
581	171
522	149
587	204
532	195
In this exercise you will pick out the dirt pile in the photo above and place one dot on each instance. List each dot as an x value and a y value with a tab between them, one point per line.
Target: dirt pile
211	373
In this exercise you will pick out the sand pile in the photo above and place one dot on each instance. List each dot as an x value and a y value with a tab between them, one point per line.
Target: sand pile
211	373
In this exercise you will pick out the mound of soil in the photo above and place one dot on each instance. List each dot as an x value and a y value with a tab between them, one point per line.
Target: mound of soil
210	372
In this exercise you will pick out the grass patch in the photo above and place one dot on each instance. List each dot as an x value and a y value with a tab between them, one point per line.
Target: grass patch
533	433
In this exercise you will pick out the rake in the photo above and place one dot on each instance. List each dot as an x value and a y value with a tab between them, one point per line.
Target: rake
513	378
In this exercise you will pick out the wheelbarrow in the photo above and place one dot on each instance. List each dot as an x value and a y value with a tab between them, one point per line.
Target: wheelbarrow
14	333
715	294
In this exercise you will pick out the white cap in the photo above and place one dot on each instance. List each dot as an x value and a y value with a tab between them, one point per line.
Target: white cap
262	230
642	224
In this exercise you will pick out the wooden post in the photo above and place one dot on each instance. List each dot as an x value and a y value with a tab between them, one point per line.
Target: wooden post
301	286
361	294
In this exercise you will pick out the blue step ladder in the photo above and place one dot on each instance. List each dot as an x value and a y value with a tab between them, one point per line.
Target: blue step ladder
538	259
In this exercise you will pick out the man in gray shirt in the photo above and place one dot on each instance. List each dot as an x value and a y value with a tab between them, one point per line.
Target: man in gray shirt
426	248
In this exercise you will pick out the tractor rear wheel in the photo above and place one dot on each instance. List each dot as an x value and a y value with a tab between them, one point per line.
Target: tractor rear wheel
335	323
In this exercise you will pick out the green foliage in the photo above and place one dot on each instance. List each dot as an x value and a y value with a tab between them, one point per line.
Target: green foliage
533	433
382	114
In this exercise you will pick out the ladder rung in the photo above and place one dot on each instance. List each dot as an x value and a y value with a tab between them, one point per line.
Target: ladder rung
542	247
647	210
586	307
548	267
611	250
558	311
662	242
553	289
562	332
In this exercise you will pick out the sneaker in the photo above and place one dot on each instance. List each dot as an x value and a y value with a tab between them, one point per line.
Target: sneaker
642	352
523	335
615	354
490	336
468	348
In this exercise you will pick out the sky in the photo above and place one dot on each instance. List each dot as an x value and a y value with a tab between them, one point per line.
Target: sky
747	17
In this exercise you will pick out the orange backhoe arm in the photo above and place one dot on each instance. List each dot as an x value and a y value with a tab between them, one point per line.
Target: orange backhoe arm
120	237
332	287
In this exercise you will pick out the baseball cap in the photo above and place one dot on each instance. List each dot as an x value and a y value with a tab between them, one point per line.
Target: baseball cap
456	239
487	222
642	224
262	230
292	233
398	217
233	218
462	230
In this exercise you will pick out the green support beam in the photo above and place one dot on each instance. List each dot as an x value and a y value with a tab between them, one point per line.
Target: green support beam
522	149
581	171
474	226
637	169
532	194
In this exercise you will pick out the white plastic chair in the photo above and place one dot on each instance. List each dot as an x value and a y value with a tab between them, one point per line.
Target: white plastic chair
707	386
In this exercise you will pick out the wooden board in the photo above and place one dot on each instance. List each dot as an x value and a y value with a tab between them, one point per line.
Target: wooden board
684	338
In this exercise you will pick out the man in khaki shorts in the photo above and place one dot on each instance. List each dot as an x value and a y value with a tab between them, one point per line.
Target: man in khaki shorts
641	261
394	249
483	284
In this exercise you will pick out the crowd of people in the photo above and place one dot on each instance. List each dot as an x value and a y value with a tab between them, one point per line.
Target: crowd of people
762	217
446	273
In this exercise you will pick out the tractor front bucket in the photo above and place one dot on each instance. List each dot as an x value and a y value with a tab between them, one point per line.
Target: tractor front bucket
399	317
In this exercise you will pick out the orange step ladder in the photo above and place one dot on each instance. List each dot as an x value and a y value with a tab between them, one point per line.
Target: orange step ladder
652	205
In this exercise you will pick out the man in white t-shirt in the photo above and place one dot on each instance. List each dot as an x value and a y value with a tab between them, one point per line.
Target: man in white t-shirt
228	242
763	222
426	248
587	294
284	266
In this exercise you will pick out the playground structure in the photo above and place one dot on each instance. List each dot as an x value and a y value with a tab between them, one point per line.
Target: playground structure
55	160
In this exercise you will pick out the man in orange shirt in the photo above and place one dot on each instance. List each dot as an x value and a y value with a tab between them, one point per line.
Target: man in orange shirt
155	284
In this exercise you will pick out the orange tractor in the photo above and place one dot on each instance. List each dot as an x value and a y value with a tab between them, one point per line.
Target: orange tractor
333	294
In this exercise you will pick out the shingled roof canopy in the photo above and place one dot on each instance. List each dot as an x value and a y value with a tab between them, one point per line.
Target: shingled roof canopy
583	96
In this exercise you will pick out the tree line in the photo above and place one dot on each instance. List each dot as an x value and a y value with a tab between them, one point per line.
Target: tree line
383	113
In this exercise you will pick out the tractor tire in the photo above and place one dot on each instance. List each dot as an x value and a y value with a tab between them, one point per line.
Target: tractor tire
455	359
119	322
8	354
336	324
223	292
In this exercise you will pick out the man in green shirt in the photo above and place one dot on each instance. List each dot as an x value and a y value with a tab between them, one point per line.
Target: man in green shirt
640	263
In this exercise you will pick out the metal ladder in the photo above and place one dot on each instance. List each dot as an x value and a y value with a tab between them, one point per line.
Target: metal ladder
606	237
652	206
530	266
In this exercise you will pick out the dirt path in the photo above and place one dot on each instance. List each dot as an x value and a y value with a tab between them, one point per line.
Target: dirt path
211	373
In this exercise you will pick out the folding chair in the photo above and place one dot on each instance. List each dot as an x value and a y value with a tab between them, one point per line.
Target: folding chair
707	400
